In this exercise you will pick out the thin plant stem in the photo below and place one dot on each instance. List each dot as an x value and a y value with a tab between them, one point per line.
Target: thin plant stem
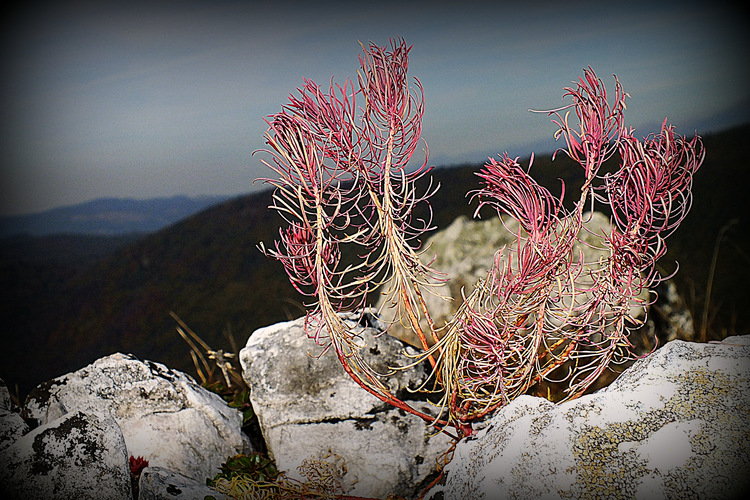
710	283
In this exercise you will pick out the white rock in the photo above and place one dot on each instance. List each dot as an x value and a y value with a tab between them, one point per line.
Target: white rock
157	483
464	251
80	455
290	382
388	452
163	414
674	425
309	408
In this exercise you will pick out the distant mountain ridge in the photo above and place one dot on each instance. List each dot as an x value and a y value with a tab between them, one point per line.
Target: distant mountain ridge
108	216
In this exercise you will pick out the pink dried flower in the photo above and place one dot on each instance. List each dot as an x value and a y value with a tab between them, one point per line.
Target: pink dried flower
651	193
600	123
342	180
509	189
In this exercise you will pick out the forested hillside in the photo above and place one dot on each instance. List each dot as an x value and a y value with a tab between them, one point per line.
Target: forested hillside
59	316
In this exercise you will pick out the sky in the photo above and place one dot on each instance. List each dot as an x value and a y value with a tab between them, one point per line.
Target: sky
148	99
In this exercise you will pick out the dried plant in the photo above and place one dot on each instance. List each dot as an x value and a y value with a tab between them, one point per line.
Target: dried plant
231	377
542	313
343	181
253	477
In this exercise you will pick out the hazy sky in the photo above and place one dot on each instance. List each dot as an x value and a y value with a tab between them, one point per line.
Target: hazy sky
143	99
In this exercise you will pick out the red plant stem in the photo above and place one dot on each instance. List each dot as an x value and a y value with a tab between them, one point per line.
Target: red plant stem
414	320
562	358
427	316
392	400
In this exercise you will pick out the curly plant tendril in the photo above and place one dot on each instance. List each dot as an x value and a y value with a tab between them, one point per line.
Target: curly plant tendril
544	313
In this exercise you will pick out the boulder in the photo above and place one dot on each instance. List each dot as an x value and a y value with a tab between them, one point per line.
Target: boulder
310	409
162	414
79	455
465	251
674	425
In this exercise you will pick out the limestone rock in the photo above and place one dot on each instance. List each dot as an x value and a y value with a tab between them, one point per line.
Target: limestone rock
290	382
310	409
388	452
79	455
674	425
157	483
164	416
12	426
465	251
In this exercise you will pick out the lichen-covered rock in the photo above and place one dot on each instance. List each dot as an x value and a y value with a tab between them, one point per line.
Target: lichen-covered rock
12	425
80	455
157	483
163	414
385	453
291	382
674	425
309	409
465	251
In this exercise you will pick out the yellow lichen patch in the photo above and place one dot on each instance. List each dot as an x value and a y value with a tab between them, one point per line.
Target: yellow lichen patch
611	461
603	470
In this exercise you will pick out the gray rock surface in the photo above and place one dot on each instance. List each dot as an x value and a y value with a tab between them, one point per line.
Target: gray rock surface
163	415
12	426
465	251
157	483
674	425
80	455
309	408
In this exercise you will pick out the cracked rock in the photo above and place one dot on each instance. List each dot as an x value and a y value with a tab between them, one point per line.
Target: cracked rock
310	409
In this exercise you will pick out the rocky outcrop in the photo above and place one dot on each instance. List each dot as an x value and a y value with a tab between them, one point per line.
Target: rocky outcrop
12	425
674	425
310	409
163	414
85	425
465	251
